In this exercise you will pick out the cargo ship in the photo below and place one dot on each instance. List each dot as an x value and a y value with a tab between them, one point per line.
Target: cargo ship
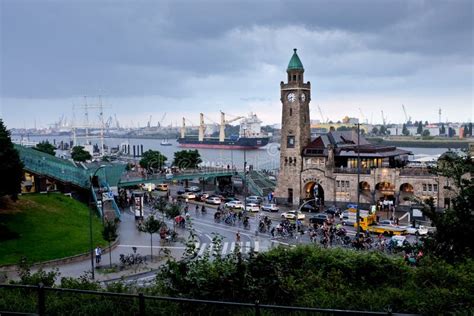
250	135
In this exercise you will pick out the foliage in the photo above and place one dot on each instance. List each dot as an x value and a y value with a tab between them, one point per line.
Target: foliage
419	129
442	129
171	211
452	239
425	133
187	159
301	276
79	154
109	233
11	167
48	226
151	226
152	160
40	276
405	130
46	147
324	278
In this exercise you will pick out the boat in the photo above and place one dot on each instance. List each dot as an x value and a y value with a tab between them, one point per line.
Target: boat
250	135
165	142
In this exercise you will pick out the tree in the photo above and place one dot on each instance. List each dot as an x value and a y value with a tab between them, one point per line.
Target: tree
425	133
383	130
109	233
442	130
451	132
172	210
46	147
465	131
375	131
405	130
187	159
151	226
79	154
152	160
452	239
470	129
419	129
11	167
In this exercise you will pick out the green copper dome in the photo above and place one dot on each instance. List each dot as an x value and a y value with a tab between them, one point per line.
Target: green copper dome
295	62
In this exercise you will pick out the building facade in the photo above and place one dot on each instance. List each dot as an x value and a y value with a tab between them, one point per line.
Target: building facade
325	168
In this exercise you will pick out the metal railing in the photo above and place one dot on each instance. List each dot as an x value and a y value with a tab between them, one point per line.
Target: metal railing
139	303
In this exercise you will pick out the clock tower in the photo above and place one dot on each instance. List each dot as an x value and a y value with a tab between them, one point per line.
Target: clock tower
295	131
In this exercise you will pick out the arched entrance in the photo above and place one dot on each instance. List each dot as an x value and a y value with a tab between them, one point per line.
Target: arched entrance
406	194
315	191
385	191
365	193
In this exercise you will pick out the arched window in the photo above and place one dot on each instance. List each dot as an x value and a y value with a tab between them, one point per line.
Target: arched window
291	111
294	77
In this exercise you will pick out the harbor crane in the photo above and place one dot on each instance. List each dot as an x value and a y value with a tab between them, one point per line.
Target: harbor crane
149	121
407	118
384	120
322	116
160	122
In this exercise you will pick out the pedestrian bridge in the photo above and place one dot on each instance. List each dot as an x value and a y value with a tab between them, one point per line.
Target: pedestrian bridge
75	174
79	174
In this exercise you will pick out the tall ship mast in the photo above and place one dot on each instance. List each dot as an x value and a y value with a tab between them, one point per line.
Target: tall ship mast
250	134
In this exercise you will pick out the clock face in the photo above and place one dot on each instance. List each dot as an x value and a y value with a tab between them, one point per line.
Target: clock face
303	97
291	97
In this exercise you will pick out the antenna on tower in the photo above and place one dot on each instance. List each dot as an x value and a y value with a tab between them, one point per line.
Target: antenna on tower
439	115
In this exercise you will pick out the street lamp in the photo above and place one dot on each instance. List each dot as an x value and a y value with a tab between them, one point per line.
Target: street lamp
358	180
245	178
90	223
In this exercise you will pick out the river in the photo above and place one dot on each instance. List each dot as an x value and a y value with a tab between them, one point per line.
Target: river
267	157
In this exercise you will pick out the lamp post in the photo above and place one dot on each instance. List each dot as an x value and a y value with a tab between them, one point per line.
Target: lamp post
358	180
90	224
245	178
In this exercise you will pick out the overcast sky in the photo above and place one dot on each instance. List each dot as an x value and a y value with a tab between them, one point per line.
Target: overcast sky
186	57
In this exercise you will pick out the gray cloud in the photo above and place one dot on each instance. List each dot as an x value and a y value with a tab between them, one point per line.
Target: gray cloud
235	51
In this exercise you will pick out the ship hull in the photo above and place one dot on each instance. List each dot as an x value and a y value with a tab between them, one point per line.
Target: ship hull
241	143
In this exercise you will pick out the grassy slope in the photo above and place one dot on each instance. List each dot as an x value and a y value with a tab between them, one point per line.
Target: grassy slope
50	226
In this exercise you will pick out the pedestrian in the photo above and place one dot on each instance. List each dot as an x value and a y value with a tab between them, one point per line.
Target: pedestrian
237	236
98	254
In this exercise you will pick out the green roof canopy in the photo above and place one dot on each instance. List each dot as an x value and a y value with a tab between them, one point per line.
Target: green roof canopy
295	62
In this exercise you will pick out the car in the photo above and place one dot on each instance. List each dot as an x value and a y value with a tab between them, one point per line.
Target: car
193	189
188	195
293	215
202	197
399	240
214	200
333	210
270	208
234	204
252	207
386	222
254	199
318	219
419	230
162	187
309	208
230	199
